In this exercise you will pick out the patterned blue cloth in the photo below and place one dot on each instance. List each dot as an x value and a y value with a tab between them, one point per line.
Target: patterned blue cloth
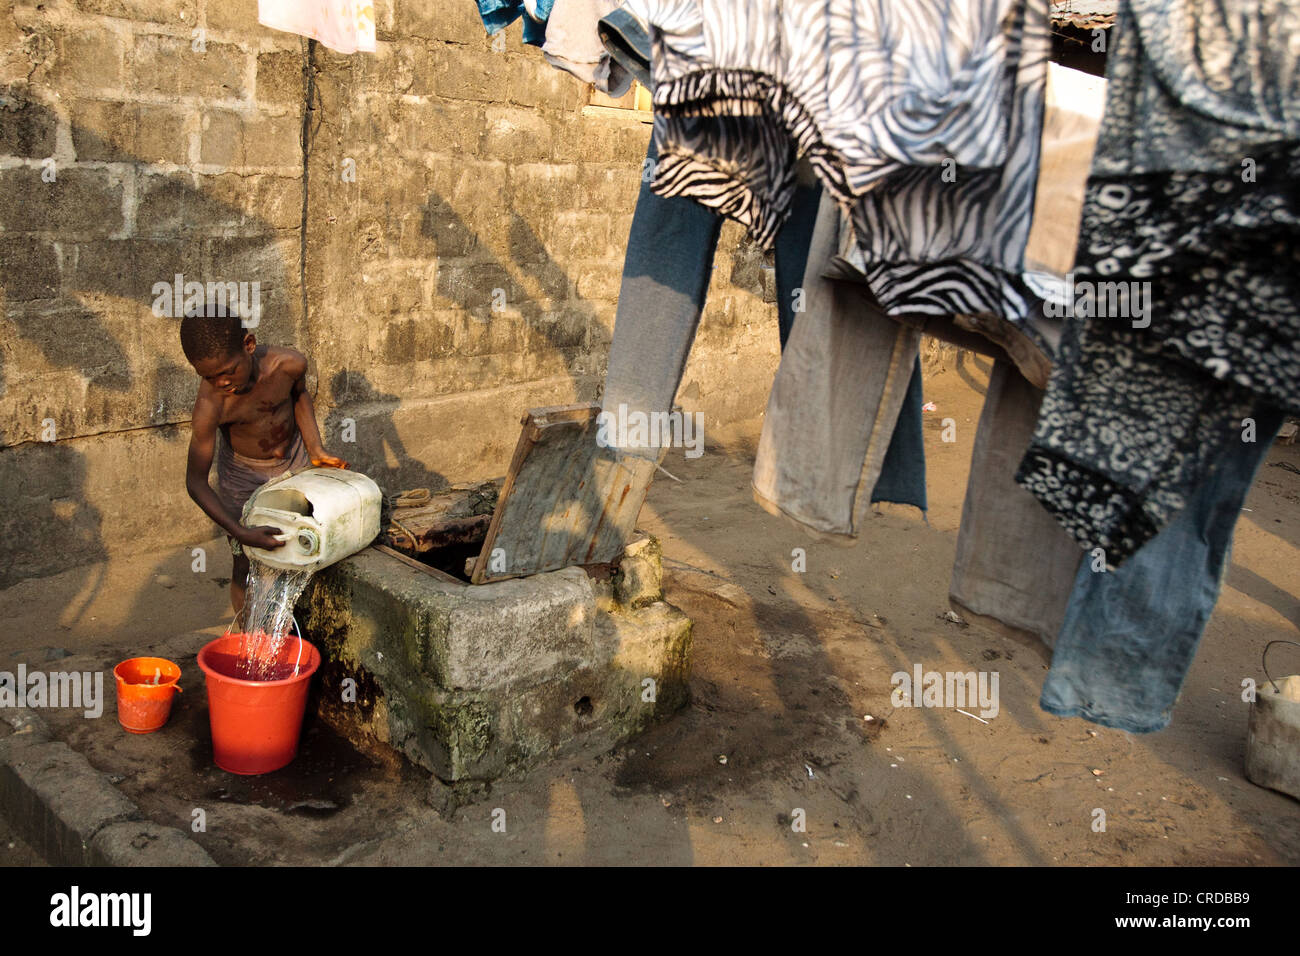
499	14
1130	634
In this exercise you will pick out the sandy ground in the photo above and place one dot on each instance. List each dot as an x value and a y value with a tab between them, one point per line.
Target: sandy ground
787	667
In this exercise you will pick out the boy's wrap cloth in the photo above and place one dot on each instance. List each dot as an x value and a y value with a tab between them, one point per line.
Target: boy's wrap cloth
238	476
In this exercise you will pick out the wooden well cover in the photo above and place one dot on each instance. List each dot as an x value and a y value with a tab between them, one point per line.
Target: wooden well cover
565	500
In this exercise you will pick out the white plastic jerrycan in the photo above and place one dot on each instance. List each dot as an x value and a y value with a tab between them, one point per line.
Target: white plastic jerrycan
324	515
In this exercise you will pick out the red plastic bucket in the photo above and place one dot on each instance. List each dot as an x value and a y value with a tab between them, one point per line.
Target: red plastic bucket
143	705
256	724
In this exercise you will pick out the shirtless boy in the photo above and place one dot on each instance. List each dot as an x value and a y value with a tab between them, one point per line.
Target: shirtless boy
256	397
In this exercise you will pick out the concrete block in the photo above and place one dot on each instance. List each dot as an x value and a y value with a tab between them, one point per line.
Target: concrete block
601	139
222	141
31	269
55	799
639	674
456	22
533	627
26	127
268	259
72	339
599	282
145	844
473	682
451	127
104	130
112	131
609	188
465	73
638	582
279	77
160	135
253	203
80	202
515	135
87	60
239	16
163	205
273	141
170	65
128	267
535	83
176	12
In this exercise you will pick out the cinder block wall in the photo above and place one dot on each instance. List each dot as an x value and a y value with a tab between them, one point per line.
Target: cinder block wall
140	139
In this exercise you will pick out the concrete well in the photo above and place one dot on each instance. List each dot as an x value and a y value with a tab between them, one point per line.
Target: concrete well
472	682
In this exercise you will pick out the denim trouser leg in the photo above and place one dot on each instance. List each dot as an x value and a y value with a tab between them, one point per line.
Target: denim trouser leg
1130	635
666	273
792	254
1014	563
847	375
902	473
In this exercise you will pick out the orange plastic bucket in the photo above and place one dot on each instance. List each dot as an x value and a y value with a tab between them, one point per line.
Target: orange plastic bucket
145	688
256	724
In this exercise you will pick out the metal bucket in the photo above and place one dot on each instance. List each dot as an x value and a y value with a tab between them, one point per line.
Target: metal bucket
1273	744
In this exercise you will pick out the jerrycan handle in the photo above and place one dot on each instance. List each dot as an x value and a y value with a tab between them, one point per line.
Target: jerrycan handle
307	539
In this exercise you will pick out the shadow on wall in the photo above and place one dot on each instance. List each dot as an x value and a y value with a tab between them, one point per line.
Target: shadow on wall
77	290
541	318
48	524
362	412
535	287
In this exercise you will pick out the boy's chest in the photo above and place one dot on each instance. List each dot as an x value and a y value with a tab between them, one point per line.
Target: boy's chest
260	409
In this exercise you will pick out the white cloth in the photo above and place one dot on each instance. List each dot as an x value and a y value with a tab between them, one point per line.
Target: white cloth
573	45
345	26
1072	119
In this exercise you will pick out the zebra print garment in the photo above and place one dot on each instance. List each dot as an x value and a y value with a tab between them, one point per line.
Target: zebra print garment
922	118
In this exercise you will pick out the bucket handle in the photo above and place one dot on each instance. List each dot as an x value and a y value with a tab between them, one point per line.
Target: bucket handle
1264	661
299	632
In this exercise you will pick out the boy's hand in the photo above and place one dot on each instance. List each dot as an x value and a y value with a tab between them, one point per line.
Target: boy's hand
263	536
328	461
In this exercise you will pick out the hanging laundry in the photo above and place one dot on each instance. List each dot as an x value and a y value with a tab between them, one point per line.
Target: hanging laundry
345	26
627	40
937	103
1189	261
499	14
1013	562
950	240
1130	635
573	45
666	275
1074	104
842	426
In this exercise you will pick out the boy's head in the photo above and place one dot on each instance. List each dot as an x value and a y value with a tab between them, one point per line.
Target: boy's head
219	347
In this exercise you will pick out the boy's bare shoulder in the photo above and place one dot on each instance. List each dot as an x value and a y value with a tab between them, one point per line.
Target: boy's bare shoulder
208	405
288	360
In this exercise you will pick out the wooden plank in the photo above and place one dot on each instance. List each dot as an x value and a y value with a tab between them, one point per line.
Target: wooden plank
459	515
565	501
419	566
